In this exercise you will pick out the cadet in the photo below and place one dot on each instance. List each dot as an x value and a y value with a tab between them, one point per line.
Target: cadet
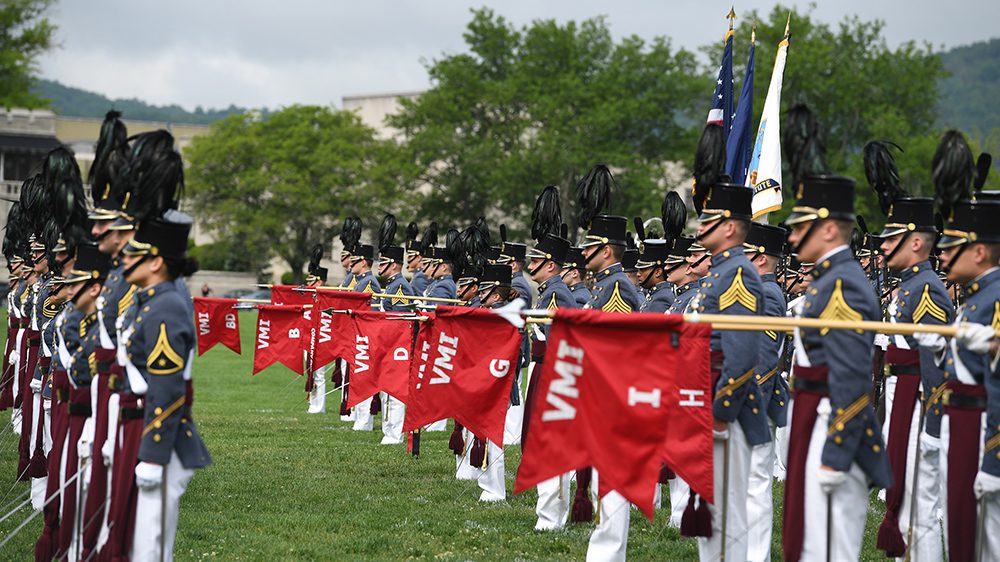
835	448
160	343
732	286
921	298
513	254
414	257
316	385
651	261
390	267
765	245
688	264
573	275
362	257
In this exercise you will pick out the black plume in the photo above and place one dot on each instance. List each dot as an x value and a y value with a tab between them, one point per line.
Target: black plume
68	205
429	239
640	230
803	143
35	205
709	163
857	241
593	193
315	256
503	232
952	171
110	160
386	232
474	243
484	231
983	165
862	224
154	176
14	238
350	233
452	248
412	231
547	216
673	213
564	231
882	174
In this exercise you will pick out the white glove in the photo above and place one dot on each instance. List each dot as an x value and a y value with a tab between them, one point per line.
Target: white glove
830	480
84	448
35	385
975	337
986	484
882	341
148	475
932	342
929	443
720	435
108	450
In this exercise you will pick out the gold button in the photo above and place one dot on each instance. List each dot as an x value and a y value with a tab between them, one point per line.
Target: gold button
838	440
840	426
777	392
156	437
975	286
731	381
781	402
869	432
188	433
840	411
138	318
725	403
915	269
755	410
158	411
151	292
751	397
725	254
876	448
826	264
157	424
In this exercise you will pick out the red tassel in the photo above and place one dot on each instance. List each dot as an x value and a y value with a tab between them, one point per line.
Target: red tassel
583	508
666	475
477	454
376	407
890	539
44	548
457	442
38	468
696	522
309	382
338	378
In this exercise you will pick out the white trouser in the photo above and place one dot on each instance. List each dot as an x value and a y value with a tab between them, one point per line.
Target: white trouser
440	425
991	542
43	415
392	420
15	414
553	503
343	377
463	468
781	436
492	480
736	512
609	540
108	456
317	397
760	501
148	511
679	494
848	503
927	527
515	417
363	419
79	486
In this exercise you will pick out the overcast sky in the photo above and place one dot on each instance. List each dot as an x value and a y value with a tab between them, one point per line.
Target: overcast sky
271	53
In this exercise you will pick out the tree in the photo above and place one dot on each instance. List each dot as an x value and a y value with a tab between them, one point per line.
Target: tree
542	104
858	87
278	186
25	33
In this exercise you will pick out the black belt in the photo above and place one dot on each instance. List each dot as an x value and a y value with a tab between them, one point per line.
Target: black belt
62	394
80	410
34	343
805	385
894	370
131	413
964	401
104	366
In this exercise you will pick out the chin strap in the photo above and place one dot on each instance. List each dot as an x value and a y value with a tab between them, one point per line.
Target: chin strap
86	285
593	254
651	271
710	230
891	254
533	272
805	238
958	254
130	270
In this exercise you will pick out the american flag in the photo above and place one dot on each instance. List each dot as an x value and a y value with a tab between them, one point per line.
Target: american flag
722	100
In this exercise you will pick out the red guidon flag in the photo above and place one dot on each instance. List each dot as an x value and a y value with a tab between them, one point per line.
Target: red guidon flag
280	331
291	295
590	411
463	368
381	359
218	322
335	332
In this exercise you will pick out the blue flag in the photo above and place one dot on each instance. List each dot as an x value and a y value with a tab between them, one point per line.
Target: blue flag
722	101
739	145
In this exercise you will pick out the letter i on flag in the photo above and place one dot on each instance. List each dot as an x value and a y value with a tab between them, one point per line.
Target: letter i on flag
739	146
765	165
722	100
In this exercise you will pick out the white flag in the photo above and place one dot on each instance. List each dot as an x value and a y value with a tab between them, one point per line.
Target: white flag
765	166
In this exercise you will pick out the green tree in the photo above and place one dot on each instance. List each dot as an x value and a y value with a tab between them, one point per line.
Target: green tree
540	105
25	33
277	186
859	88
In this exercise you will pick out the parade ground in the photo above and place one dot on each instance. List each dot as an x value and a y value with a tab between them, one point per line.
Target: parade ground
286	485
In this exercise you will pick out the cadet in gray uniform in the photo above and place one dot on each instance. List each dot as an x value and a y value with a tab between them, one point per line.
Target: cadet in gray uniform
574	274
733	287
160	340
651	262
835	450
765	246
390	267
362	258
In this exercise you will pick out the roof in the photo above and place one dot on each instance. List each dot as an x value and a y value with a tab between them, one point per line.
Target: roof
27	143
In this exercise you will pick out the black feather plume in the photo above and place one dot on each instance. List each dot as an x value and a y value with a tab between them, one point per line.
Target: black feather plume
68	205
882	174
857	241
350	233
412	231
547	215
503	232
593	193
315	257
803	143
386	232
983	165
110	160
452	248
564	231
154	176
673	213
640	230
952	171
35	204
429	239
862	224
709	163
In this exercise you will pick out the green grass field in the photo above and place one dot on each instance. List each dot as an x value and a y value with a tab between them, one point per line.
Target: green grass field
290	486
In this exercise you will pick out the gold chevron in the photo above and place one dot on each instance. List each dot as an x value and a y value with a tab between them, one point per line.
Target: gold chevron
49	308
368	289
928	306
848	414
552	302
399	293
92	363
354	281
163	360
738	293
996	316
126	300
837	308
616	303
772	335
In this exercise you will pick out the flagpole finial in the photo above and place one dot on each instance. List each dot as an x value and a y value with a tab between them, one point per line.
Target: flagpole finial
731	16
788	23
753	34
